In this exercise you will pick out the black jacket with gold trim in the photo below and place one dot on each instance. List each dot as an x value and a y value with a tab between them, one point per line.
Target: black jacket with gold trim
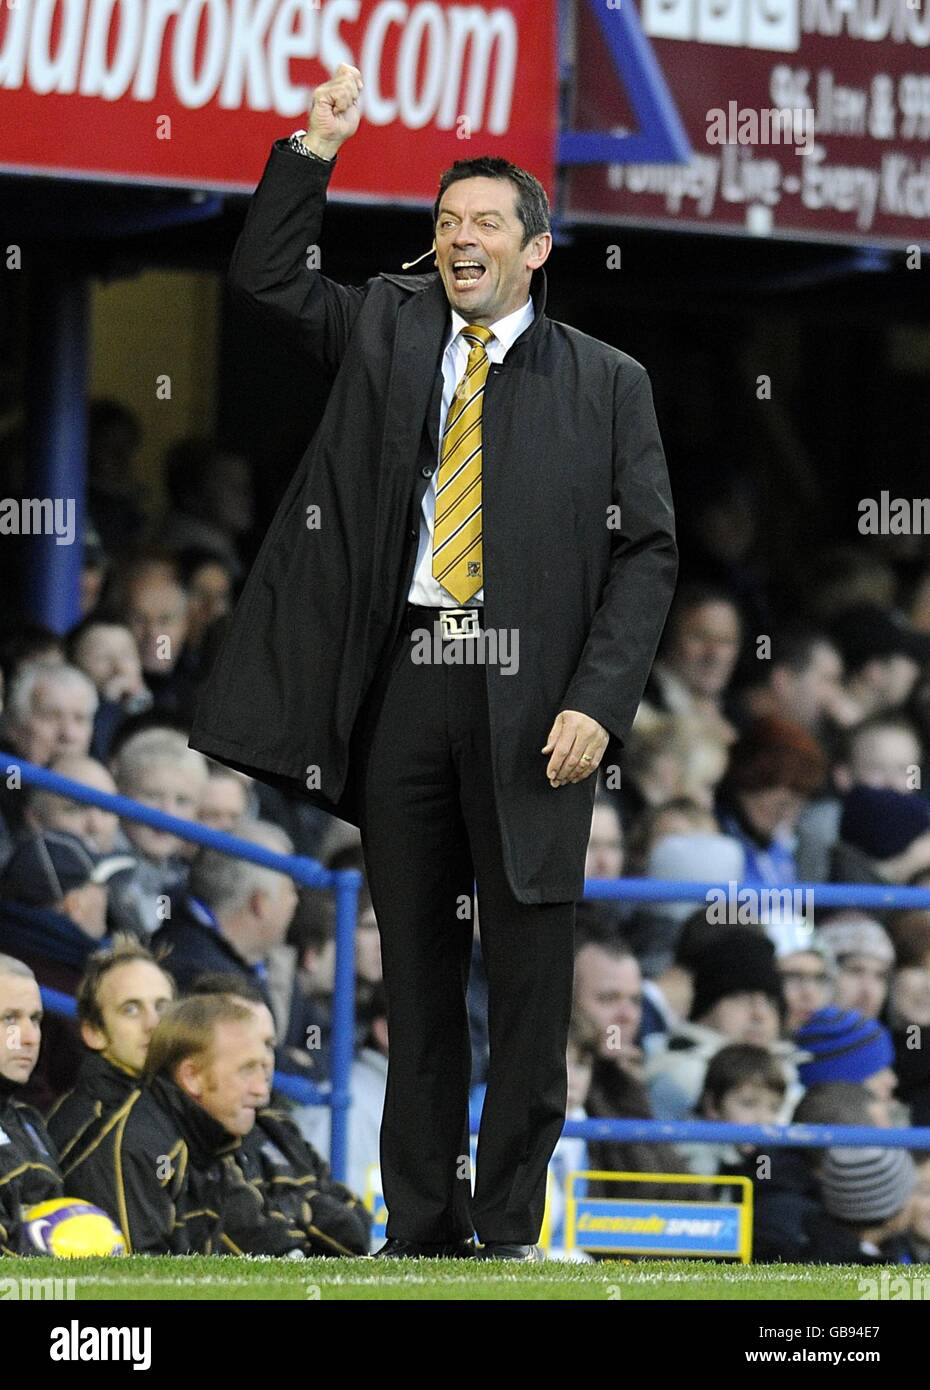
102	1087
29	1168
166	1172
297	1184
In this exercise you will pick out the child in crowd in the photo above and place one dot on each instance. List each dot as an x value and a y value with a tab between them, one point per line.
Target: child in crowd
744	1085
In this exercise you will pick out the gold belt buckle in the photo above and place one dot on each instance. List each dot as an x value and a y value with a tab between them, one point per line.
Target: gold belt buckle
459	622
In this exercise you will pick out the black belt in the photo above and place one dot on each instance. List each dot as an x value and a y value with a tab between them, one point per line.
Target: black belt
453	623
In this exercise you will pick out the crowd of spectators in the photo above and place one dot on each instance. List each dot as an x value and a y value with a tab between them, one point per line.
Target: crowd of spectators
758	759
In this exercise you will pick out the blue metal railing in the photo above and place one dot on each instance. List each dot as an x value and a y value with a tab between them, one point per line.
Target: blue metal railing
873	896
764	1136
346	884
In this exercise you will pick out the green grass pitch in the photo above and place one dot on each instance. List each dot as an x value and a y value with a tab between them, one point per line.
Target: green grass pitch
193	1277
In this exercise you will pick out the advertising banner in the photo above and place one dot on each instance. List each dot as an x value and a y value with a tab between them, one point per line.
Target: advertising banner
194	92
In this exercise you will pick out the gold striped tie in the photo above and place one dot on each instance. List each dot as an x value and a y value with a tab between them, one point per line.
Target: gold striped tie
458	563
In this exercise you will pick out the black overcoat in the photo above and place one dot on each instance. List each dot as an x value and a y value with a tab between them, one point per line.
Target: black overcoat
578	536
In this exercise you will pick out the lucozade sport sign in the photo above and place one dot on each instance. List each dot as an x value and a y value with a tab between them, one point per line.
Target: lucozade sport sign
193	92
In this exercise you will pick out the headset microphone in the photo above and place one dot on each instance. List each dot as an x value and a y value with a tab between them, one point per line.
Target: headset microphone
407	264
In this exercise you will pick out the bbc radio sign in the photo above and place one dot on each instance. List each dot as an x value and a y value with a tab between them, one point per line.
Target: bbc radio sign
854	75
782	25
770	24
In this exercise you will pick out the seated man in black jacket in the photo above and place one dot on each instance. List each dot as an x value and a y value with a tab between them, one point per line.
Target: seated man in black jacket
163	1165
294	1179
29	1170
121	998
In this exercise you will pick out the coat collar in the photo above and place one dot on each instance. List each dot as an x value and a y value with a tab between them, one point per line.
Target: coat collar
205	1137
106	1079
426	315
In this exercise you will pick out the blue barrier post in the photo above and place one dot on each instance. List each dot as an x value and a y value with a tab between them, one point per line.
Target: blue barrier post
342	1047
56	435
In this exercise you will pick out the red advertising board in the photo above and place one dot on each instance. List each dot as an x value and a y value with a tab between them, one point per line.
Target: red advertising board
807	118
193	92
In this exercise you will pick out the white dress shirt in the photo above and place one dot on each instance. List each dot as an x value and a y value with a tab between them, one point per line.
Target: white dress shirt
425	589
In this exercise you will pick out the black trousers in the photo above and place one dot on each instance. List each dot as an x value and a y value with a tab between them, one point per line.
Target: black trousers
427	817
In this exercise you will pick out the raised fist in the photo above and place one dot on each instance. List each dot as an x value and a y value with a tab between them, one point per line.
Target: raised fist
335	112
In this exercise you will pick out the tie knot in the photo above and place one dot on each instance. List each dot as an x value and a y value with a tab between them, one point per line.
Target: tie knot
477	334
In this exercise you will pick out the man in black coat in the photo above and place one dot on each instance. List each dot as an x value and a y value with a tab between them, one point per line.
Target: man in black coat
163	1163
546	538
121	999
295	1180
29	1170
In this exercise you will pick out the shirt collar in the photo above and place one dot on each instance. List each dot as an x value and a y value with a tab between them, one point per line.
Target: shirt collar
505	330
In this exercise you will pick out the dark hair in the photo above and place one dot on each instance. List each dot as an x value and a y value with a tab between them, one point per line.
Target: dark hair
193	558
793	648
124	950
22	642
369	1010
738	1063
596	925
695	935
794	645
909	929
645	821
696	593
314	921
532	202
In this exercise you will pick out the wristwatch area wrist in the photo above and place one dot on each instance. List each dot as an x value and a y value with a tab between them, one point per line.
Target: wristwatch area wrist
297	145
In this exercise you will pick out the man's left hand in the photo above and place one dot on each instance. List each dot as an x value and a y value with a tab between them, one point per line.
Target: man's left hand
577	744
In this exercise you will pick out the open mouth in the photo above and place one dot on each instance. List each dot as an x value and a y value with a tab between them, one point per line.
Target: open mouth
466	273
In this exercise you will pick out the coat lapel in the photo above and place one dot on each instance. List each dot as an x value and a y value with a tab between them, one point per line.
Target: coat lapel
435	406
422	325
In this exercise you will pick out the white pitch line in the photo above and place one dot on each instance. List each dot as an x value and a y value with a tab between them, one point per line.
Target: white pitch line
341	1280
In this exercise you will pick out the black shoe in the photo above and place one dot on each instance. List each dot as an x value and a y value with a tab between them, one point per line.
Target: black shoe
397	1249
503	1250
